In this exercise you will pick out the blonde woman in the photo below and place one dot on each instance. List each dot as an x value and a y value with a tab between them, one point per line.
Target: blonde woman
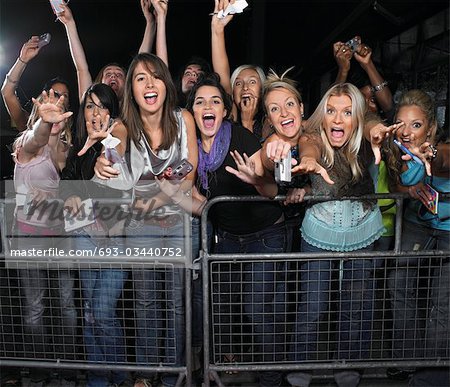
341	226
40	154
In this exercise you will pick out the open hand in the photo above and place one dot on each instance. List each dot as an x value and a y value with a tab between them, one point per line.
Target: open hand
51	109
246	170
309	165
378	134
97	130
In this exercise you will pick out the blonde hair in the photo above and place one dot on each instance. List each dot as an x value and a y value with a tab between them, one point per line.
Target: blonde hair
237	71
353	145
425	103
274	81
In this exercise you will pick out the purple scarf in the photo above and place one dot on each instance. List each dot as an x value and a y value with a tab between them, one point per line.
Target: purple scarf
210	162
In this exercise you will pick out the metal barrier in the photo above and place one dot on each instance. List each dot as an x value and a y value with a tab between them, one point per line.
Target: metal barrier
243	338
252	351
47	332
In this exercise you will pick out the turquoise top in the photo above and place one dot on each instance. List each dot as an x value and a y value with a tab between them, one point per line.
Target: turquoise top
342	225
413	175
416	212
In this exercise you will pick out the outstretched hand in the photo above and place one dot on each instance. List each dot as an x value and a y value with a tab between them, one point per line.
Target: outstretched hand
97	130
378	134
246	170
51	109
424	152
309	165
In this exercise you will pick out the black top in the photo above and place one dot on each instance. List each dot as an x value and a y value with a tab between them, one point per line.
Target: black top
76	181
239	217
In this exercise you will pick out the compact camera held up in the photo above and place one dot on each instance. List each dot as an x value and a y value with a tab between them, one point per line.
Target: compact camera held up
44	39
283	169
354	43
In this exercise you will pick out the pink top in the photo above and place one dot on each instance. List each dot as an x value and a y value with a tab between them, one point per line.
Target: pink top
38	174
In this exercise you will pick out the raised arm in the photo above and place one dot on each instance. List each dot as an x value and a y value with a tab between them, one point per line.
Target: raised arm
343	56
161	7
76	50
218	47
380	88
18	115
150	28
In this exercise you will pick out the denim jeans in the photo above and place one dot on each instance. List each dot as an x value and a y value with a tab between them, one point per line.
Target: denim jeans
159	292
37	286
103	335
409	340
355	307
264	295
48	297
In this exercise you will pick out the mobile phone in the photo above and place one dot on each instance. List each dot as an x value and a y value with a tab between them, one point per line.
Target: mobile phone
44	39
432	205
56	6
408	152
180	171
354	43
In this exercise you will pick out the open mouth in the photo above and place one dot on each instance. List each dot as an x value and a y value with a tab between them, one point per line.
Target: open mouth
337	133
151	98
405	141
94	122
209	120
287	123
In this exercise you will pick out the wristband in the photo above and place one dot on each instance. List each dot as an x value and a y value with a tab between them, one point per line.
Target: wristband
379	87
20	60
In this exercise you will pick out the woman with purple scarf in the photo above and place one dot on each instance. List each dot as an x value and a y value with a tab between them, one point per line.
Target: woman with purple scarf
230	164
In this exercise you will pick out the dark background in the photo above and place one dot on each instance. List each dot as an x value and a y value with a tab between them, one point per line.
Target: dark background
273	34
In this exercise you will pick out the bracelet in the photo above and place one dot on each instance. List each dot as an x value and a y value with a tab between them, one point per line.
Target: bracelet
379	87
8	79
20	60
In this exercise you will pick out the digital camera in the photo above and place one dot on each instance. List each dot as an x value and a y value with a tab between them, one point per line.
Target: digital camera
283	169
354	43
44	39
